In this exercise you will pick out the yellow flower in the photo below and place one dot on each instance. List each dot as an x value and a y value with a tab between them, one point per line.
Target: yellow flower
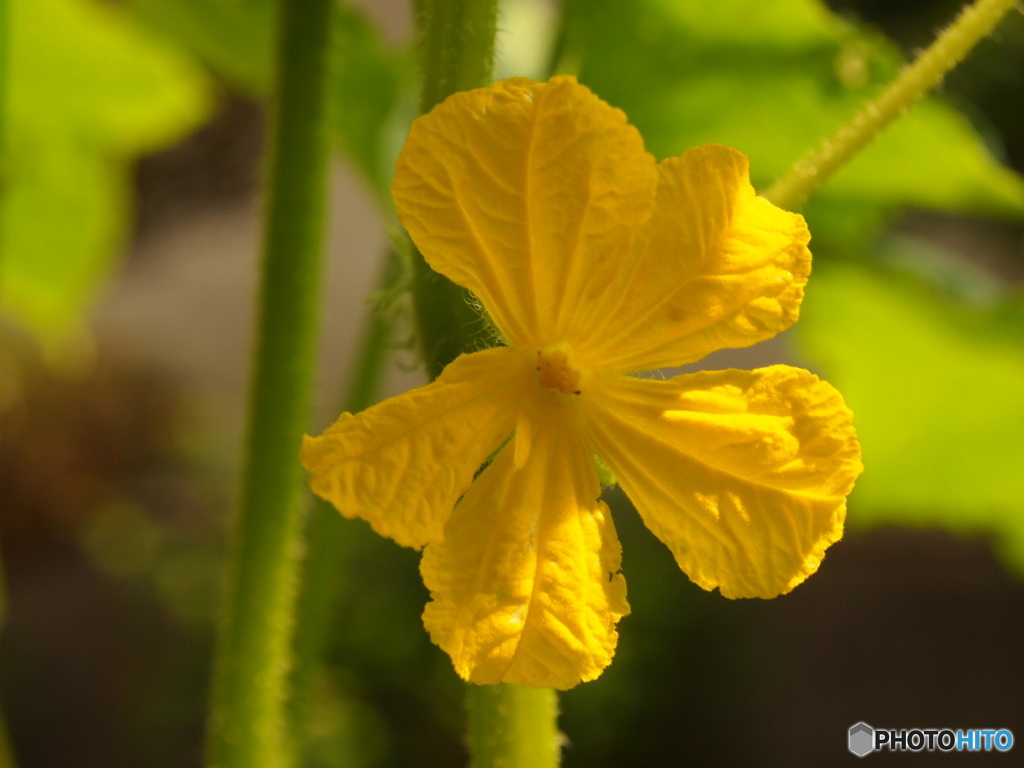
593	262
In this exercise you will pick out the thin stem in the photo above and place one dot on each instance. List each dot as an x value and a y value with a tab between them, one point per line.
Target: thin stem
326	533
375	345
510	725
950	47
456	54
247	722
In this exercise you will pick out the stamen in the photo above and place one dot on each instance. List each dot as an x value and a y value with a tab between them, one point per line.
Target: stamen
555	371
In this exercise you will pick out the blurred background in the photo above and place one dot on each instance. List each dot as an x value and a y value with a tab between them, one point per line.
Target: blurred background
129	227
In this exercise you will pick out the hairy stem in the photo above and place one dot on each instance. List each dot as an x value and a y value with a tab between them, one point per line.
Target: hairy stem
510	725
950	47
247	727
456	43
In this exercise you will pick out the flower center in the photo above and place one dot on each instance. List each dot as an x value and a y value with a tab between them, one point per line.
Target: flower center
556	372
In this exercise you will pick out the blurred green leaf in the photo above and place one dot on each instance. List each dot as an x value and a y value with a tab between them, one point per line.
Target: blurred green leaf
87	93
936	384
370	80
233	37
773	80
64	216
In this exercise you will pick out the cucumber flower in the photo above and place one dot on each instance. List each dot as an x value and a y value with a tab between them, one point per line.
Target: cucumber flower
593	262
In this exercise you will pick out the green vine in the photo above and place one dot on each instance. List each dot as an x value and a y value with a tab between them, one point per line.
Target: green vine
248	723
950	47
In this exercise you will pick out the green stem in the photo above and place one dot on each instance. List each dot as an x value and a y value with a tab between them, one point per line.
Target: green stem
375	345
456	47
326	533
510	725
247	721
950	47
456	54
327	546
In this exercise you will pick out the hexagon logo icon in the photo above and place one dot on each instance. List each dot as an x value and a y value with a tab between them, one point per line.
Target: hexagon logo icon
862	739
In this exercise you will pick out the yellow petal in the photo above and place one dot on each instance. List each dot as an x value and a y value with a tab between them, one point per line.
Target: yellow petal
528	194
402	464
716	267
526	586
743	474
